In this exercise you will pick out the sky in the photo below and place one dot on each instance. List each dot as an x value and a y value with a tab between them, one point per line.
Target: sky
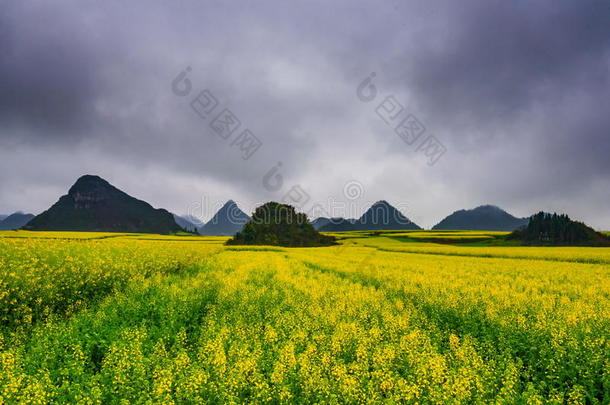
434	106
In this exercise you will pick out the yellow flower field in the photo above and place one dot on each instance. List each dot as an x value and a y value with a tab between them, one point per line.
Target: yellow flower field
109	318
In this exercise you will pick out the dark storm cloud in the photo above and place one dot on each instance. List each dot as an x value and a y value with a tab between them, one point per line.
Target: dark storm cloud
491	66
517	91
48	72
497	59
495	75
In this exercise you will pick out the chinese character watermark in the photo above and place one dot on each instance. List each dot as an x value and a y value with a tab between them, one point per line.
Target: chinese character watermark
225	124
405	125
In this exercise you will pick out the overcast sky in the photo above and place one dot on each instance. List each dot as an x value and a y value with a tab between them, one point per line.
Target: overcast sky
517	93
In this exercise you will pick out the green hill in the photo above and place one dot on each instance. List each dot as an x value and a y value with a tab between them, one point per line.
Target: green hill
482	218
380	216
280	225
546	229
94	205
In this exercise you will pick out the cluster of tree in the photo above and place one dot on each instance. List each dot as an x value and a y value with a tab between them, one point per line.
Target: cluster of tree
280	225
553	229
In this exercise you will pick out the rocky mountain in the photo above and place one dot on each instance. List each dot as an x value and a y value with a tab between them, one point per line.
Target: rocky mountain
188	222
380	216
15	221
2	216
384	216
482	218
226	222
92	204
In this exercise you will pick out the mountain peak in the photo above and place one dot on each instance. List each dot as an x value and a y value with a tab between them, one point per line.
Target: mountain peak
382	203
15	221
90	179
482	218
380	206
380	216
188	222
227	221
85	177
89	183
92	204
488	207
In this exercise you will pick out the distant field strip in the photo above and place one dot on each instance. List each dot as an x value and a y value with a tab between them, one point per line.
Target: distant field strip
566	254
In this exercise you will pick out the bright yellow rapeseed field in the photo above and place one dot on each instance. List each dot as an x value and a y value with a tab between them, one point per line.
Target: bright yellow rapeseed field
110	318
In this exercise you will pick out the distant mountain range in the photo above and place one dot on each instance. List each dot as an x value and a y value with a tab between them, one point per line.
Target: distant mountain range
322	222
482	218
338	225
92	204
14	221
380	216
226	222
188	222
319	223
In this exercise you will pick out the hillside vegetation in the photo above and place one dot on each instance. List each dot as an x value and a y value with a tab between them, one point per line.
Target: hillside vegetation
94	205
553	229
278	224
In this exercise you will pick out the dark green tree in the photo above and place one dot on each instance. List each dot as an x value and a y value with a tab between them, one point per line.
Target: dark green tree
280	225
553	229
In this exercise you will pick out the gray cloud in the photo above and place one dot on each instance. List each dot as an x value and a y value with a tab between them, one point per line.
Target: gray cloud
516	91
49	73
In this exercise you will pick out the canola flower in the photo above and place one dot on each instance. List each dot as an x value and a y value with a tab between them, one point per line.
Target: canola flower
146	319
